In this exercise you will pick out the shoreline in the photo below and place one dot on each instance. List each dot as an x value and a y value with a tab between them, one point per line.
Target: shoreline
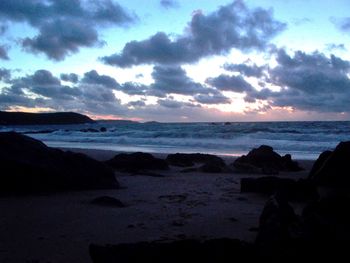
104	155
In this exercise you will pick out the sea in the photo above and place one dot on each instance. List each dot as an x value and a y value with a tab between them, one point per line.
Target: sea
303	140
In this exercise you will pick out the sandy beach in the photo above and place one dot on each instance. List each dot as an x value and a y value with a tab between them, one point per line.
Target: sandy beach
59	227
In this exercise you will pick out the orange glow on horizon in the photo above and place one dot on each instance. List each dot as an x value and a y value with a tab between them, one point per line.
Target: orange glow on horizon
111	117
29	110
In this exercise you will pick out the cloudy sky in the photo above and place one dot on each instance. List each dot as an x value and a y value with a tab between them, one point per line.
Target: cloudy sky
177	60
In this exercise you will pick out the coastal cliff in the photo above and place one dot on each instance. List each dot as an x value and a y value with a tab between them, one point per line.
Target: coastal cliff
24	118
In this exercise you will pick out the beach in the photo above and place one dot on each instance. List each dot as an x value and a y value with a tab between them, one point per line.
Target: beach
58	227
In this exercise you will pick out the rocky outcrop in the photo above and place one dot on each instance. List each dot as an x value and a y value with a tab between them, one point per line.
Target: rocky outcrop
319	163
265	160
322	231
136	162
332	169
190	159
276	225
24	118
28	165
296	190
320	234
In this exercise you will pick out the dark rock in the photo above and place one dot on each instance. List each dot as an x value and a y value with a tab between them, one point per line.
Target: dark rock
291	189
187	160
107	201
28	165
211	168
276	227
328	219
179	159
319	163
215	250
136	162
289	165
24	118
333	169
265	160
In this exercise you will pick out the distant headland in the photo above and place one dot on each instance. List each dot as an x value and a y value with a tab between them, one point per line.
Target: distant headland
24	118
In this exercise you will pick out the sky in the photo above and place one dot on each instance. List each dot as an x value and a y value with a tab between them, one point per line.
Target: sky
177	60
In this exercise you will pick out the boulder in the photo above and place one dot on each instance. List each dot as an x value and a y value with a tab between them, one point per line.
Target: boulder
189	159
332	170
136	162
319	163
320	234
296	190
28	165
275	220
278	225
328	219
265	160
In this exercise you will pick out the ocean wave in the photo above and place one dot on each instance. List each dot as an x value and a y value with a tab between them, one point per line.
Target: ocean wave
301	138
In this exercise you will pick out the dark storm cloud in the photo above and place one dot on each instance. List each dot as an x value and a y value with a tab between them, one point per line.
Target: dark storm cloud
312	82
137	103
169	4
3	48
246	70
311	73
92	77
174	80
133	88
3	52
5	74
92	94
56	92
64	25
37	12
231	26
230	83
43	77
71	77
175	104
59	38
216	98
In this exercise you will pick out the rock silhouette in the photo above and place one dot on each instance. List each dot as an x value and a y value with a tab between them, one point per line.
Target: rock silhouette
25	118
265	160
28	165
136	162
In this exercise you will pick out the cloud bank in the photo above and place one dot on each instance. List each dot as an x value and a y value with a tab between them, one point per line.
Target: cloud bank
64	25
231	26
